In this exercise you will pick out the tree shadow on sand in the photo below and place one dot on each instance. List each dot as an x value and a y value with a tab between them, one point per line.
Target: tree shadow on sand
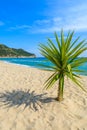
29	99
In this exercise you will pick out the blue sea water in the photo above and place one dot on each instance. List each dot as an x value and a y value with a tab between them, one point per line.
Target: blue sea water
34	62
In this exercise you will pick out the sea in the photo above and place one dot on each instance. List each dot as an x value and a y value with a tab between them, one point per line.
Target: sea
35	62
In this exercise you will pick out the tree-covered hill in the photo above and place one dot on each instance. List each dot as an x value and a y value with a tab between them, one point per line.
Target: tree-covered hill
6	51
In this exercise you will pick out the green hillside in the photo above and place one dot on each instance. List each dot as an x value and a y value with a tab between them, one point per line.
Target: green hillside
12	52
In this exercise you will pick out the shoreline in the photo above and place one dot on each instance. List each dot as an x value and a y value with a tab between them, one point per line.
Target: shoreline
29	66
20	57
25	105
7	62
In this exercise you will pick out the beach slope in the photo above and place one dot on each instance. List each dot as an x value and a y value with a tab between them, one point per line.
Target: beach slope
25	105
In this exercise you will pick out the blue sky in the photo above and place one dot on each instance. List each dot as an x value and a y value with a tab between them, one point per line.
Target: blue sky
26	23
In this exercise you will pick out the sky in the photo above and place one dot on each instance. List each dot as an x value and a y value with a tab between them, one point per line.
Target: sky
27	23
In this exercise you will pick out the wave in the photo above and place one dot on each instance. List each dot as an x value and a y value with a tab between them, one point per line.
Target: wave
34	62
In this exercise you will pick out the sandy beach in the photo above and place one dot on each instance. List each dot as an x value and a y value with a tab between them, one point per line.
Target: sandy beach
25	105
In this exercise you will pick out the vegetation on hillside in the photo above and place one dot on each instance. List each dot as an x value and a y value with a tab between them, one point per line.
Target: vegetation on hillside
12	52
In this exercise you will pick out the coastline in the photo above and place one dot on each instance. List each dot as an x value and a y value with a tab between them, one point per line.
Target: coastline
19	57
7	62
34	63
25	105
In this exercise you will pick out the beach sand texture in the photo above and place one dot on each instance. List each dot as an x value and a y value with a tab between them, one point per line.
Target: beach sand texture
25	105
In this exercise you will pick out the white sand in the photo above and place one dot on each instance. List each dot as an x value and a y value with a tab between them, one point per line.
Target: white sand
25	106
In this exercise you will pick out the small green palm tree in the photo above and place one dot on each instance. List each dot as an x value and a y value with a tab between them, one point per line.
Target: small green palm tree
64	59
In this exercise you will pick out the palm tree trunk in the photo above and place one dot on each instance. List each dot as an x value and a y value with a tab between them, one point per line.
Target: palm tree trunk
60	89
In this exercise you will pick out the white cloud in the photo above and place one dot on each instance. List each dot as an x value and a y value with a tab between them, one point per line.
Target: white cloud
69	17
57	19
72	16
18	27
55	24
78	8
41	22
67	14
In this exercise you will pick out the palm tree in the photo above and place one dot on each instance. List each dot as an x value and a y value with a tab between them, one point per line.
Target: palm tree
64	59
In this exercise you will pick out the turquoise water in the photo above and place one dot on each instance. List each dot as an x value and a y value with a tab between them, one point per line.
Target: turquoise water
34	62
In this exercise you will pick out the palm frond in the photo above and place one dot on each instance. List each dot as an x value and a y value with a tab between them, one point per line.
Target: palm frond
58	42
49	67
51	80
68	40
73	43
63	47
76	81
79	52
79	71
76	49
52	46
78	62
49	54
64	59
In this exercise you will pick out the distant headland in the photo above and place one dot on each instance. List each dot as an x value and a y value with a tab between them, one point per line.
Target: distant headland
6	51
